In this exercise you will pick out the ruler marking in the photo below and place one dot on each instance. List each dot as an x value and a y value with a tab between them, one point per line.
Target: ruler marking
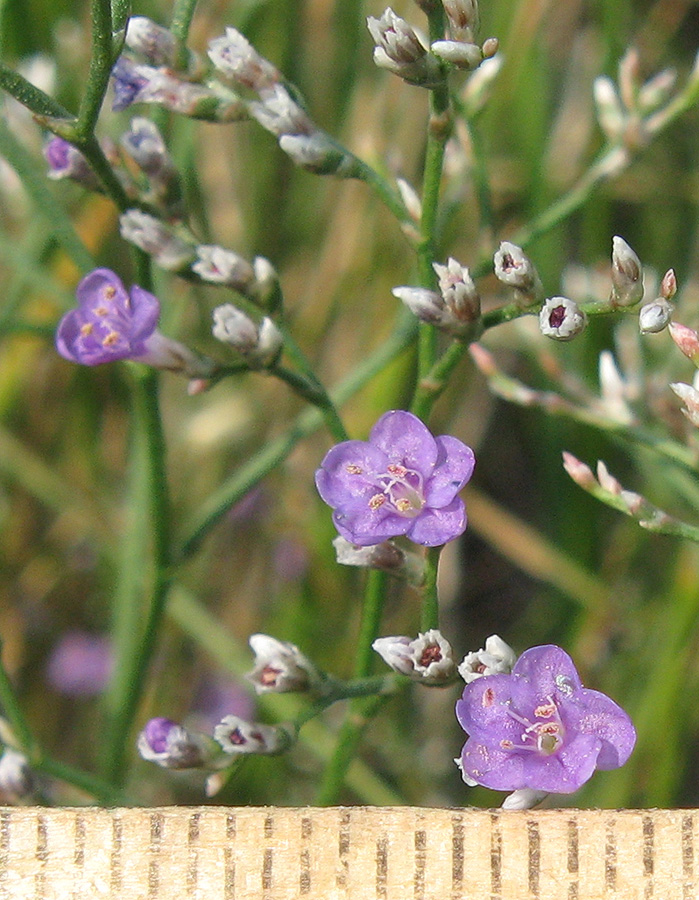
381	867
420	863
193	853
688	857
495	857
269	828
573	859
156	836
648	846
305	856
343	849
267	863
533	856
41	856
79	852
457	857
5	820
115	862
610	856
228	859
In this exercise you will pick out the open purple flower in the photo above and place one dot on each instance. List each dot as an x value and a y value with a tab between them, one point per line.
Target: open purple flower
108	324
539	728
402	481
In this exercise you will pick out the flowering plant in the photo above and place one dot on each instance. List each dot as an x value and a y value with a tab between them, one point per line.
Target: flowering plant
354	341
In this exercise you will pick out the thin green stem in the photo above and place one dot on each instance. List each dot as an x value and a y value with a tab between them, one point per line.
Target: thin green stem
390	197
182	16
101	63
372	610
314	392
147	538
30	96
430	601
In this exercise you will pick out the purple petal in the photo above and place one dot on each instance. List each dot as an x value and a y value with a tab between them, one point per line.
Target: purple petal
550	672
145	312
454	468
434	527
406	441
492	767
338	481
370	526
592	712
66	334
91	288
482	710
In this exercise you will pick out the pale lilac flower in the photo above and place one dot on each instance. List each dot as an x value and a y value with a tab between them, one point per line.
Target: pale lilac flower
495	658
173	746
220	266
259	344
279	114
539	728
145	145
234	56
110	324
427	658
153	237
150	40
561	319
80	664
237	736
402	481
66	161
128	81
280	667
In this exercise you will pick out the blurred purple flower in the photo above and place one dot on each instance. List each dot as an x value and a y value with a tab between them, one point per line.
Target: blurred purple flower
539	728
108	324
128	80
80	664
402	481
218	696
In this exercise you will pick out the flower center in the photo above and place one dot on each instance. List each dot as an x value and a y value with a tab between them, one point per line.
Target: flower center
402	488
545	735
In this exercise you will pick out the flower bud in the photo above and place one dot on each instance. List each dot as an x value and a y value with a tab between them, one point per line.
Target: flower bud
524	798
627	274
668	286
513	267
687	340
496	658
458	291
172	746
490	47
689	395
578	471
385	556
153	237
145	145
655	316
266	279
259	344
610	113
561	319
458	53
280	667
427	305
237	736
220	266
477	89
427	659
65	161
235	57
317	153
656	91
400	50
463	17
151	41
279	114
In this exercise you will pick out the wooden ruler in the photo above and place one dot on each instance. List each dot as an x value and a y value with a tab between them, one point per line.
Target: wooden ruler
348	853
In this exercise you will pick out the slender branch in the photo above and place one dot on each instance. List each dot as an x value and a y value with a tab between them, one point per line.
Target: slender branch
101	64
30	96
430	600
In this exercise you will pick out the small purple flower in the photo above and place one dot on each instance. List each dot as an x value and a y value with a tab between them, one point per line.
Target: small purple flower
108	324
80	664
129	80
402	481
539	728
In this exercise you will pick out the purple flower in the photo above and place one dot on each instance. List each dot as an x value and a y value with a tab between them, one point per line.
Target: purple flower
402	481
108	324
80	664
539	728
129	80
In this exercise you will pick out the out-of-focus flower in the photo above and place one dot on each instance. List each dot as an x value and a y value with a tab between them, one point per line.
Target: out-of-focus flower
237	736
561	319
259	344
221	266
463	17
145	145
172	746
235	57
153	237
151	41
539	728
400	50
80	664
402	481
65	161
385	556
426	658
279	114
280	667
687	340
496	658
16	778
110	324
627	274
689	395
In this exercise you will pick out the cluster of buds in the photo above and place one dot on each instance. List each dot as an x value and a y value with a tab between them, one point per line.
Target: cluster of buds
237	61
280	667
259	344
495	658
656	315
456	308
386	556
630	112
427	658
461	48
514	268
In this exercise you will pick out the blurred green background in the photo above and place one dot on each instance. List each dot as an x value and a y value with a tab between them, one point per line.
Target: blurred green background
541	562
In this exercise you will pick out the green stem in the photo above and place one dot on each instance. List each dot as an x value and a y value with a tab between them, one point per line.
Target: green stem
30	96
372	610
101	64
147	538
314	392
430	600
391	198
182	16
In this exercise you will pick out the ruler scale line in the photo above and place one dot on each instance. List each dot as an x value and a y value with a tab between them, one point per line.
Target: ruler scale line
495	857
457	857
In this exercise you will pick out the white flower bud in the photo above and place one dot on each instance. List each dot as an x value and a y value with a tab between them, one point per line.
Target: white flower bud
463	16
561	319
145	231
221	266
655	316
458	291
234	56
400	50
427	305
496	658
280	667
525	798
627	274
689	395
266	278
151	41
395	652
610	113
385	556
279	114
237	736
458	53
427	659
317	153
512	266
